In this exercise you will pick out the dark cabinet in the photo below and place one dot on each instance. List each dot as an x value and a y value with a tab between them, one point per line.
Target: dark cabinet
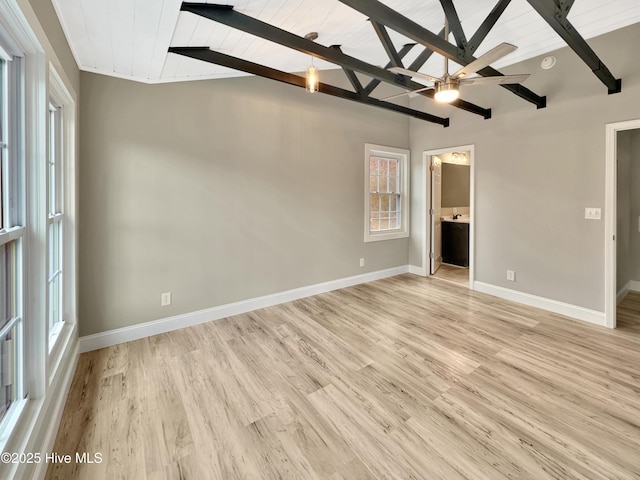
455	243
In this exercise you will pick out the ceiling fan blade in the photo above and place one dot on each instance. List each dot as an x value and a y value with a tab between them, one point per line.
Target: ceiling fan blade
485	60
497	80
406	93
411	73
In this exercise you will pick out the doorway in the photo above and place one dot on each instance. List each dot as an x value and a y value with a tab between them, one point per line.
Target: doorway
622	229
448	213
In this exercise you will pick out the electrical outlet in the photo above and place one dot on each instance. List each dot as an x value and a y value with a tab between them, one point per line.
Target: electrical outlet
511	275
362	262
165	299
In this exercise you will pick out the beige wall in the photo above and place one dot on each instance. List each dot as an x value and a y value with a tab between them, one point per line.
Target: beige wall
220	191
536	171
623	208
634	213
628	208
456	181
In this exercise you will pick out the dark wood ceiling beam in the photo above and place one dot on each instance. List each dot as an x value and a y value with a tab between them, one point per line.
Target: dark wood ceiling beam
206	55
387	16
423	57
401	24
487	25
371	86
383	35
565	5
226	15
556	17
454	23
351	75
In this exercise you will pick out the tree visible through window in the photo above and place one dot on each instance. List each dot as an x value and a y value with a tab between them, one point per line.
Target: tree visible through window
384	194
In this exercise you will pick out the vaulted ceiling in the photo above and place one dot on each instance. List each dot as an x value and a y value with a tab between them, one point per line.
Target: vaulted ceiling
133	38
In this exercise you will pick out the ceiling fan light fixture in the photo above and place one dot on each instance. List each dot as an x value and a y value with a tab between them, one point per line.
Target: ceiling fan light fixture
446	92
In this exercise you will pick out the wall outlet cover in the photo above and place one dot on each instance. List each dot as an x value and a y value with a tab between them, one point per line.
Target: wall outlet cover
592	213
165	299
511	275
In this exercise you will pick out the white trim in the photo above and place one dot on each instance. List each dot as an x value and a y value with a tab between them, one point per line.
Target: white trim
610	212
415	270
56	407
426	176
631	286
404	157
147	329
43	417
566	309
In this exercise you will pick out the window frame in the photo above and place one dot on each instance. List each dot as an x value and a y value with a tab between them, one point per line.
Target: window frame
403	157
14	231
55	219
60	97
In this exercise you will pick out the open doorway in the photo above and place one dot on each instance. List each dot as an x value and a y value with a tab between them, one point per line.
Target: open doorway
448	245
622	231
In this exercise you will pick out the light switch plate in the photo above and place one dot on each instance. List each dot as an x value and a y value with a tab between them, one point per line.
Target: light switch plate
592	213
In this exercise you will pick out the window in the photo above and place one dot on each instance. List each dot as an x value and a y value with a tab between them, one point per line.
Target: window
12	232
55	221
386	187
38	328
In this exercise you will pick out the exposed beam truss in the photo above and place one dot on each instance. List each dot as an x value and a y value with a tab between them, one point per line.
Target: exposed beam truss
226	15
383	35
351	76
487	25
454	23
555	14
207	55
371	86
387	16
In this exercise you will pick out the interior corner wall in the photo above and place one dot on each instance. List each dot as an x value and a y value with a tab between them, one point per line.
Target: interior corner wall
55	36
634	213
220	191
537	170
623	209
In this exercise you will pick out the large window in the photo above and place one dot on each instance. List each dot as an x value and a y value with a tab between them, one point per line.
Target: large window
386	193
11	233
38	328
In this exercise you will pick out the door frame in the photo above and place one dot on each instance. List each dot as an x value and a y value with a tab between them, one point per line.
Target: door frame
611	224
426	202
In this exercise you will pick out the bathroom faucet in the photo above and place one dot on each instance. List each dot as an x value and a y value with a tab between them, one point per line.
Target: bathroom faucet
456	216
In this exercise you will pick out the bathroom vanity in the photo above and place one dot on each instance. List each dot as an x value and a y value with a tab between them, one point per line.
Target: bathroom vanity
455	240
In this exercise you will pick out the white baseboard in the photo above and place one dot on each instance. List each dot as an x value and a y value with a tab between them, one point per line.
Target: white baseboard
417	271
566	309
631	286
147	329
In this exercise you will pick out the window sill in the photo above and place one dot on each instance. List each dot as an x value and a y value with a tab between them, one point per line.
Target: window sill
391	235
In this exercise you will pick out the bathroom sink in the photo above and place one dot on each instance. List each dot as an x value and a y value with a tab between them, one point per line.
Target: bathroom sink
460	219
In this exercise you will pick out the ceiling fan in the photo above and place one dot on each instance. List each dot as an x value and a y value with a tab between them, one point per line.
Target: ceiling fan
447	88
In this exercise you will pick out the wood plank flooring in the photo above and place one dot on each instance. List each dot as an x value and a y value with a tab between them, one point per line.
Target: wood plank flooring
453	274
404	378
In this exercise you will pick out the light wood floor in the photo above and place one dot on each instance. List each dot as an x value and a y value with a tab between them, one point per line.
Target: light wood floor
404	378
628	312
454	274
